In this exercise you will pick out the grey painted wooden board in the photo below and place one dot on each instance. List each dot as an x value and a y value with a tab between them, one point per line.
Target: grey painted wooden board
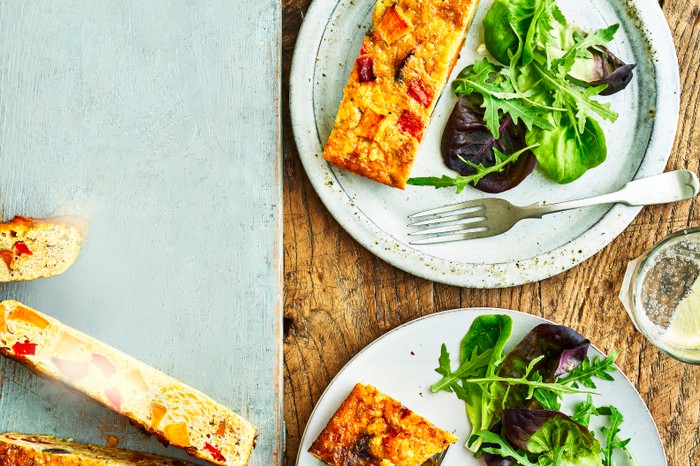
159	122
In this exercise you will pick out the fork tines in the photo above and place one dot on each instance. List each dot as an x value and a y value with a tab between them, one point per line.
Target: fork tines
461	221
449	208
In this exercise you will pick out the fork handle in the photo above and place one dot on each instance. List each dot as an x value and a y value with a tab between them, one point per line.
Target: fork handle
671	186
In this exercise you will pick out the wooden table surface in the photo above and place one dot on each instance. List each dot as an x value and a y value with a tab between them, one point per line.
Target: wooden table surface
339	297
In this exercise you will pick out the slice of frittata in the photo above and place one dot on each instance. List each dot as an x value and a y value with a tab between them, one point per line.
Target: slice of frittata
371	428
403	66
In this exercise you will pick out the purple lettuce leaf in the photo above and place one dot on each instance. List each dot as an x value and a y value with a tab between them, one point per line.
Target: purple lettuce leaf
563	350
604	68
467	138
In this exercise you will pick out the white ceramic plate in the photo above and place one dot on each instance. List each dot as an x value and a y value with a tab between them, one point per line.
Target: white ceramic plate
402	362
639	144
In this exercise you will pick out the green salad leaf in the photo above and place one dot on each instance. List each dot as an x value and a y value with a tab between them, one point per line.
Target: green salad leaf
497	445
589	368
499	96
612	441
554	437
564	153
548	78
549	363
461	182
487	335
507	24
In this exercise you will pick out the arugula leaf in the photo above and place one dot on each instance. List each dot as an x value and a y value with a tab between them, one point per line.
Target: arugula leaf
584	373
460	182
537	28
612	441
468	367
562	348
547	38
577	99
583	412
503	448
530	379
486	79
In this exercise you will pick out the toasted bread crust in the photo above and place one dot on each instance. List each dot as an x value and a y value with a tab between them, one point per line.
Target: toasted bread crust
172	411
370	428
35	248
393	87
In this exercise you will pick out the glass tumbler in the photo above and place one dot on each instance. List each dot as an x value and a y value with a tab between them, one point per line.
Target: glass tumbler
661	293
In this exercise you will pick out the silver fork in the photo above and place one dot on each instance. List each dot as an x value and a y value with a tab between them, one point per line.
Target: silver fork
492	216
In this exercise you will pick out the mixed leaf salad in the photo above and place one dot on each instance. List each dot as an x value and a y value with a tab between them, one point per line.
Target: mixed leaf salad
513	401
535	105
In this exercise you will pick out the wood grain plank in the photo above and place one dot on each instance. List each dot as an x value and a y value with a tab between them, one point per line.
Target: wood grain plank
338	297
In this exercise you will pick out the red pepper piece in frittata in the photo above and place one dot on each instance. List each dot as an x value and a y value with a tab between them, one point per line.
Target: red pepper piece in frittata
24	349
114	396
411	124
420	93
365	69
215	452
22	248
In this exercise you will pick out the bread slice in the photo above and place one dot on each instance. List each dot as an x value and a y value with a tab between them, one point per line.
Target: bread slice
174	412
403	66
33	248
46	450
371	428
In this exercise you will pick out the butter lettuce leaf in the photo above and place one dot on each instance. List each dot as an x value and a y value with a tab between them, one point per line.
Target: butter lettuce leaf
564	153
554	436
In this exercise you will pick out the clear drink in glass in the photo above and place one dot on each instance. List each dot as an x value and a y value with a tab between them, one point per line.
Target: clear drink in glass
661	293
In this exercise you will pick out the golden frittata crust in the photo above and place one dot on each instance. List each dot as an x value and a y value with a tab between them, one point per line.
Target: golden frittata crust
403	66
372	429
46	450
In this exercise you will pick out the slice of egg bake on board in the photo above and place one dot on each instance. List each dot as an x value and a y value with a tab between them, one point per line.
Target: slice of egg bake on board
46	450
165	407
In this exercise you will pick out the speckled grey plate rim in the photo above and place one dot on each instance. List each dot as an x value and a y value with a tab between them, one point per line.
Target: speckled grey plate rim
367	367
465	274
